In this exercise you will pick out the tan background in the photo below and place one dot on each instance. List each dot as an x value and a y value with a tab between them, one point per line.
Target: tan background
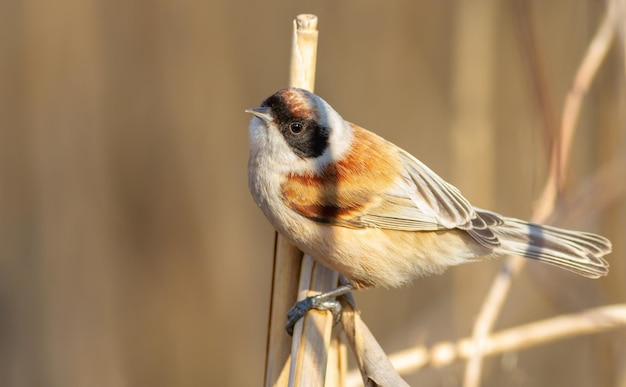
131	253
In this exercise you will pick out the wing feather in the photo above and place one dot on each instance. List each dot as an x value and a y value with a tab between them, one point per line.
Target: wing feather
434	195
416	199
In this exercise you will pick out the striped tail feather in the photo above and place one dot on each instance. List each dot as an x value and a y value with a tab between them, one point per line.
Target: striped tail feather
576	251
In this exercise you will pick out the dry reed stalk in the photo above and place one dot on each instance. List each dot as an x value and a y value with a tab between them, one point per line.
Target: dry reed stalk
311	342
592	321
559	161
375	368
303	52
287	261
310	345
337	355
312	335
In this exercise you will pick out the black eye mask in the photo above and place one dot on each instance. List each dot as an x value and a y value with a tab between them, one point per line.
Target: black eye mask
307	139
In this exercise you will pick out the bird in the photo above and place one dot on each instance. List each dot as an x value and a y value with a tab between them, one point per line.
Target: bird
370	210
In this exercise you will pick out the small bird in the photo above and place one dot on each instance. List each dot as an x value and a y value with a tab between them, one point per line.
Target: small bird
376	214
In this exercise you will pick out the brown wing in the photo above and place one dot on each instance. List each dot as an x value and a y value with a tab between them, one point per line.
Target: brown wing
380	185
343	192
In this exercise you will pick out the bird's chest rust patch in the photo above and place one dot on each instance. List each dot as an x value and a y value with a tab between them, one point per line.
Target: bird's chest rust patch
343	190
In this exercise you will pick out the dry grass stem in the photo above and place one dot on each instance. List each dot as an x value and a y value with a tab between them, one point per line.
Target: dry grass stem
303	52
312	334
337	355
592	321
374	367
287	258
501	285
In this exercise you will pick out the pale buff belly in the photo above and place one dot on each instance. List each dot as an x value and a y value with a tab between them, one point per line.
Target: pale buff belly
377	257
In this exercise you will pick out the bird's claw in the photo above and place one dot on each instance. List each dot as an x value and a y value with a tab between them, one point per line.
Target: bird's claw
324	301
319	302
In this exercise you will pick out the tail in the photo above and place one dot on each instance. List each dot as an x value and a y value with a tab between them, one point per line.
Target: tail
576	251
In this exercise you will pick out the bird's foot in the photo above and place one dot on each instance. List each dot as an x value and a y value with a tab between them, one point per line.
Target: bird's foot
323	301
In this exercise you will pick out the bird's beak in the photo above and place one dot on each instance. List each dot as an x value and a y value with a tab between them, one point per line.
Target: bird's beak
263	112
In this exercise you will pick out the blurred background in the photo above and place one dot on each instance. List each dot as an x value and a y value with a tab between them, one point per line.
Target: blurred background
132	254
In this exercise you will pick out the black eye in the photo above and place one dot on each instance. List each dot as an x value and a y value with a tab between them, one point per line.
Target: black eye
296	127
